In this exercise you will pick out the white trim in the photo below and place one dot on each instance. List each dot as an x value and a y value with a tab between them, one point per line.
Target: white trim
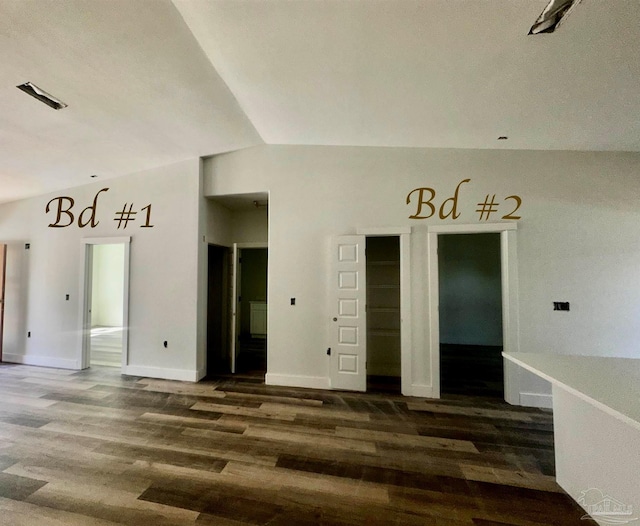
86	281
433	314
291	380
510	321
421	390
236	288
105	240
511	382
235	318
183	375
536	400
42	361
472	228
384	231
406	337
201	373
125	305
86	271
510	309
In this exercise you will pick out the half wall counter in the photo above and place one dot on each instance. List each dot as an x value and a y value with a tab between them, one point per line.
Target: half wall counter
596	418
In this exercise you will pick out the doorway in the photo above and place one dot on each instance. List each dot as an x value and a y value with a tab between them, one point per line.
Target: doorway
389	294
509	300
3	273
218	310
383	314
470	314
105	306
250	349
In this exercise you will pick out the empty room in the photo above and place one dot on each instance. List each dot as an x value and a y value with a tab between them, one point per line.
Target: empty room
299	262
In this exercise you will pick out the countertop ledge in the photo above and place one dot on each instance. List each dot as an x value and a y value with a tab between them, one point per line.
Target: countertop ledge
610	384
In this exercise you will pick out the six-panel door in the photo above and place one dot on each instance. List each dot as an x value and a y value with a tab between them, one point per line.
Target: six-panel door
348	297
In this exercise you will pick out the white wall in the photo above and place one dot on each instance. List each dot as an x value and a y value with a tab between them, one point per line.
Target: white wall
577	242
470	289
218	227
250	226
108	282
225	226
577	238
163	272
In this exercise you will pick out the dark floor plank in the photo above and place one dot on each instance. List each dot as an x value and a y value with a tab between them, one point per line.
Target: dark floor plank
109	449
18	488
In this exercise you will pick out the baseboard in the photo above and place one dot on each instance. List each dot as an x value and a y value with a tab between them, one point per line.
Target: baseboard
536	400
421	390
201	374
292	380
41	361
184	375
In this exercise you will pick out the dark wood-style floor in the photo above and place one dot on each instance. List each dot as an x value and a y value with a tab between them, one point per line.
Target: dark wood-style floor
472	370
92	447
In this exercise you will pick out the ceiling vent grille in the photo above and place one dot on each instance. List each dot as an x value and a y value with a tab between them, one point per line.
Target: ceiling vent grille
42	95
550	19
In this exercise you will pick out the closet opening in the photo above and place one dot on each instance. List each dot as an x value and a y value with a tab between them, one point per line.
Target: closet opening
383	314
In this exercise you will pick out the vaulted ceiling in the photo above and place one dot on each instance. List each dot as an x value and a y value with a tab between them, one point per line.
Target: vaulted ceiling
151	82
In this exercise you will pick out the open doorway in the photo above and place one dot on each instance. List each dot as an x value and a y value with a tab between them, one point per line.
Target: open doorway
383	314
370	301
3	265
251	311
237	310
218	311
470	314
106	287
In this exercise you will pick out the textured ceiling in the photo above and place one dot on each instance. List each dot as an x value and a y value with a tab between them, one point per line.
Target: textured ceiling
149	83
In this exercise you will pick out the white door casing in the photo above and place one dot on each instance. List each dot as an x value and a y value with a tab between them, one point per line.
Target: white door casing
88	302
406	338
3	263
235	314
236	293
86	281
509	279
348	358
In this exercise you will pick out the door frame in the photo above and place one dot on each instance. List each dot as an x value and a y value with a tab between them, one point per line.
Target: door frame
236	287
86	282
225	299
509	282
406	349
3	276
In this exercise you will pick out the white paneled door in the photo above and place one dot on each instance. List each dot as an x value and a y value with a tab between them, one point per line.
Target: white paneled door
348	311
3	260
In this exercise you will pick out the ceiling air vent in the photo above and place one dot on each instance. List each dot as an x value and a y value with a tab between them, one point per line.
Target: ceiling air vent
555	12
42	95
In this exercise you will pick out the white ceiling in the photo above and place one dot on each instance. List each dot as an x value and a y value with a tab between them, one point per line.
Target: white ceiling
150	82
